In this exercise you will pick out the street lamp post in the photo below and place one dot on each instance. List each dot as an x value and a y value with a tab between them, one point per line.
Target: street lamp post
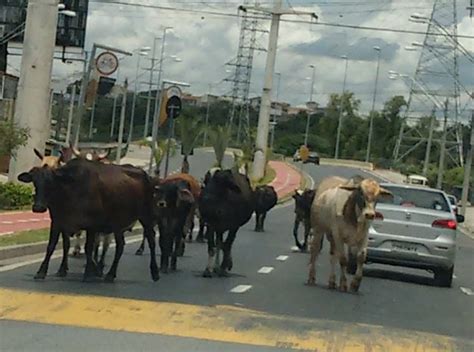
372	112
339	125
274	123
308	115
150	83
141	52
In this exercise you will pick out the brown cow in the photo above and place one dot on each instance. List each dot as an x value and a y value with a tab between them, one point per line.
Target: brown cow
342	210
98	198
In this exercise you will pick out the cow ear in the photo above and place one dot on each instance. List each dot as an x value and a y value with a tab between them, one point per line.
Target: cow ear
349	187
184	195
38	154
25	177
385	194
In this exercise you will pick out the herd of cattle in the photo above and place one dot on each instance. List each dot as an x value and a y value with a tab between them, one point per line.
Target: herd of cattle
87	193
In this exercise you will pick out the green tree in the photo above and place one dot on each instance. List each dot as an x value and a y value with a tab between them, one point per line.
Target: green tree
190	130
160	151
219	137
11	138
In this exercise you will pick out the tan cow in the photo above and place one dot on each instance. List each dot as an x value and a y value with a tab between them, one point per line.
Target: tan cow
343	210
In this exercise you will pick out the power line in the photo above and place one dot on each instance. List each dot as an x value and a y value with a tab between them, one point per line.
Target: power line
226	14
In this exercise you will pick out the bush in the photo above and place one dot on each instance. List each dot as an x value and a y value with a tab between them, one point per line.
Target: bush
14	196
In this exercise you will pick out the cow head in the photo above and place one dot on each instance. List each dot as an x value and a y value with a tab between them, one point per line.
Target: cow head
50	161
361	203
172	195
44	179
303	201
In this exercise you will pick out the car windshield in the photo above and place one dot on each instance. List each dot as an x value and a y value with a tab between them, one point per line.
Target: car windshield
420	198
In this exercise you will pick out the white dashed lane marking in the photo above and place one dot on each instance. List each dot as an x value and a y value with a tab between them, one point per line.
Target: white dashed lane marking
282	258
34	220
7	222
241	288
23	221
467	291
265	270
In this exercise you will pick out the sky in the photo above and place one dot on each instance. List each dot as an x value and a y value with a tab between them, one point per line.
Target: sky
205	43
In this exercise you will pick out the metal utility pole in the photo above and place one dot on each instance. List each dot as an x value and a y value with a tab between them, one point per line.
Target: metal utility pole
274	123
91	124
467	168
308	115
134	102
371	118
259	161
32	106
439	182
71	113
428	144
150	85
114	108
204	138
339	125
122	122
59	119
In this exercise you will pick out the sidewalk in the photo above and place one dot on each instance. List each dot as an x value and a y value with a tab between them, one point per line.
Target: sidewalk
287	179
468	225
22	221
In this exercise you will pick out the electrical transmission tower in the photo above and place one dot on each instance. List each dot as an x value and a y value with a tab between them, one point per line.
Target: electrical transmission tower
435	84
242	72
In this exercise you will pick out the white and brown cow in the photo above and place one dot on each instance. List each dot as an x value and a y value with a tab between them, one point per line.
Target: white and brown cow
343	210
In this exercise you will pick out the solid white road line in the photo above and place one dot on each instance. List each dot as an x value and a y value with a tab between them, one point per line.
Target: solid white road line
54	256
23	221
7	222
282	258
467	291
241	288
265	270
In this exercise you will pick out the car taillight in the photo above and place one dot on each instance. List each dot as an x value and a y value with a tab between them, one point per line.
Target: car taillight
378	216
445	224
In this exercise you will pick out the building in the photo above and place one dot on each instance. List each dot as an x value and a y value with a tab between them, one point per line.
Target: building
8	88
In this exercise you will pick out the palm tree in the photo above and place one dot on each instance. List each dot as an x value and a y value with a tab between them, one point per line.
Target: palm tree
219	137
160	151
190	130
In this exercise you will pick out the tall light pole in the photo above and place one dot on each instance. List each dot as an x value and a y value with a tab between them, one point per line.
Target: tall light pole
339	125
308	115
32	107
150	84
467	167
158	92
141	52
274	123
442	154
372	112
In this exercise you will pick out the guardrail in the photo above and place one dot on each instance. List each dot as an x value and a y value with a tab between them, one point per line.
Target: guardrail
347	163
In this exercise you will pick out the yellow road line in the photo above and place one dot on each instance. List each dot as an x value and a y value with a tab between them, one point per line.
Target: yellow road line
219	323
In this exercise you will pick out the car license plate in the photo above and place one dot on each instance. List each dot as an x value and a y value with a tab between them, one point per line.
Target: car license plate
405	247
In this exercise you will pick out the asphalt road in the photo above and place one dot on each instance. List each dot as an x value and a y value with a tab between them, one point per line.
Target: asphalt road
185	312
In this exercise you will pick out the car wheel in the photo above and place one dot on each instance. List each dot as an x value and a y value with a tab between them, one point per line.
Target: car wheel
444	277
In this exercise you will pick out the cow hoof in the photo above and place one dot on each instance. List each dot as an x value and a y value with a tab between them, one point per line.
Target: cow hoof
61	273
155	275
343	288
40	276
109	278
207	273
355	286
311	282
332	285
139	251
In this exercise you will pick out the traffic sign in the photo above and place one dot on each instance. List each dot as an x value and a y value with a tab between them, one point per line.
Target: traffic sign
304	153
173	106
106	63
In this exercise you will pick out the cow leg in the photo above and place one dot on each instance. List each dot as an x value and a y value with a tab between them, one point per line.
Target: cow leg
361	256
341	254
227	263
296	225
119	245
256	221
211	252
96	247
52	242
142	246
91	266
77	244
149	234
307	230
315	248
105	247
219	248
200	236
63	268
333	260
262	222
179	236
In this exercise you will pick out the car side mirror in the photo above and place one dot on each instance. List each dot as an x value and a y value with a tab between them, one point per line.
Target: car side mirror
459	218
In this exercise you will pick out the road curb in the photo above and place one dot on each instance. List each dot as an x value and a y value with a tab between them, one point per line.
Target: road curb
21	250
303	182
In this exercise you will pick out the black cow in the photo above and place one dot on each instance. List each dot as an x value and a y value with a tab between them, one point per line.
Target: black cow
303	201
226	203
95	197
173	202
265	199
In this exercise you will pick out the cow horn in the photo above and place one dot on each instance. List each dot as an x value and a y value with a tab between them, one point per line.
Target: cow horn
38	154
104	155
76	152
